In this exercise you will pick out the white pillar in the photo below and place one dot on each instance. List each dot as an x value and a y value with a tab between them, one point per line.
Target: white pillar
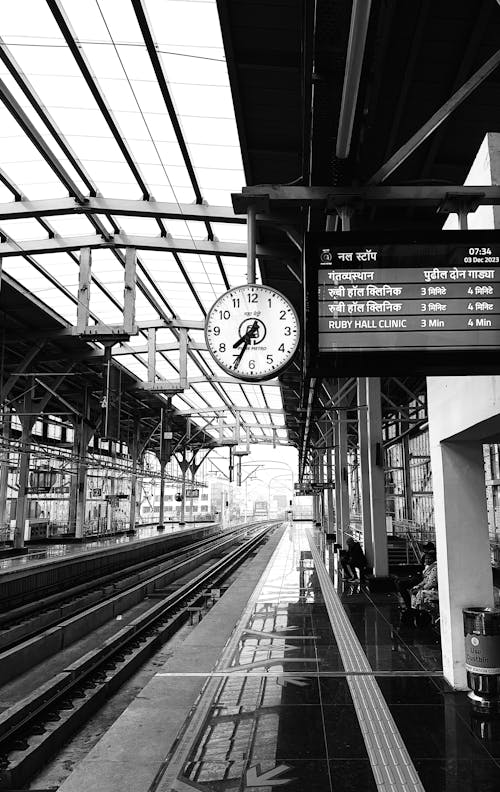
377	482
462	544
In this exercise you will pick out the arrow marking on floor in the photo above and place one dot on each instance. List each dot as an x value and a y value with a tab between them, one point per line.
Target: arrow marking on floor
271	662
299	681
255	778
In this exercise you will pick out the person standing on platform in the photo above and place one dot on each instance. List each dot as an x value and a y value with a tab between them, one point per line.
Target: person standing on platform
356	559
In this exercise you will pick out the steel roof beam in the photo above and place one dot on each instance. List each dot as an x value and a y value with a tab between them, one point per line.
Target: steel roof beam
145	27
435	121
22	207
426	196
80	58
38	141
38	106
64	244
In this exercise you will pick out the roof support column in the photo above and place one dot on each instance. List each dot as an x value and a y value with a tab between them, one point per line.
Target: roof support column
73	480
251	242
462	543
341	483
4	468
83	433
164	456
376	477
366	514
344	479
83	306
111	502
330	512
184	466
134	500
27	423
321	493
408	493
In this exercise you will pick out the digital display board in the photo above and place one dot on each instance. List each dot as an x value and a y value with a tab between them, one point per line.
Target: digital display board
384	292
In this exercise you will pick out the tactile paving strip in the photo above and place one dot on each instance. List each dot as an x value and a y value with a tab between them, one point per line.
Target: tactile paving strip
391	763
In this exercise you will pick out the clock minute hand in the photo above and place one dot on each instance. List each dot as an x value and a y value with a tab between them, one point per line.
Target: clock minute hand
238	359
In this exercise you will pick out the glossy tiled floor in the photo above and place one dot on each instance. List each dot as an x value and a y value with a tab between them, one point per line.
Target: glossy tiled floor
279	711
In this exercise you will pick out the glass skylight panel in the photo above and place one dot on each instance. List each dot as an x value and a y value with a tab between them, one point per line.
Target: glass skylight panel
135	366
144	311
28	19
62	268
23	229
38	284
233	232
69	225
254	394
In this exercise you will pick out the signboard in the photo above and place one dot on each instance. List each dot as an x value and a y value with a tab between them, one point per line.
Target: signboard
394	293
304	488
192	492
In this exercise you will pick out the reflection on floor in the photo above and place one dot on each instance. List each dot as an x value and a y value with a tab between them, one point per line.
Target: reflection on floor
280	712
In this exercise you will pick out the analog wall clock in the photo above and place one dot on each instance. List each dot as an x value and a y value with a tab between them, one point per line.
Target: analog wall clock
252	332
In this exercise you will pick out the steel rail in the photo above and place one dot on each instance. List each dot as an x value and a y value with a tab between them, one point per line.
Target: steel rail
68	699
57	600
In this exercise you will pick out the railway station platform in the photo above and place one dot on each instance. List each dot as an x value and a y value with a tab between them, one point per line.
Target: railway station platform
297	679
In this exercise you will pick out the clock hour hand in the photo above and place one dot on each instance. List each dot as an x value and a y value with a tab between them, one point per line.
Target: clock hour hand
250	333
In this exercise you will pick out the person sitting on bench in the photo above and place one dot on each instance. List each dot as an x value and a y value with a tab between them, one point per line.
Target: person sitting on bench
424	594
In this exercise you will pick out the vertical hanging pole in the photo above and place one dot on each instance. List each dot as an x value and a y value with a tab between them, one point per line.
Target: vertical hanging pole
251	243
183	345
237	428
1	265
463	218
83	306
129	325
151	354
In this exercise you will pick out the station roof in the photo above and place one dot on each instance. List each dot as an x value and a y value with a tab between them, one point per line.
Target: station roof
134	128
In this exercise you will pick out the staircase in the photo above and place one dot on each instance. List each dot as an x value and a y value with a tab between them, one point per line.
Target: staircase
400	554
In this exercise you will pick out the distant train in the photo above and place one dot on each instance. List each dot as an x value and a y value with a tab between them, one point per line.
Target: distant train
260	510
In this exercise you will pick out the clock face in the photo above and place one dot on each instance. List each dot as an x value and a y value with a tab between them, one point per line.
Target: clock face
252	332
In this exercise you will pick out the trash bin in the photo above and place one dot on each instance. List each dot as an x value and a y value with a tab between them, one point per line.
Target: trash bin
482	655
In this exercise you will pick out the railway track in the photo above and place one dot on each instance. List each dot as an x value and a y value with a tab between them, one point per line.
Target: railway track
34	728
20	623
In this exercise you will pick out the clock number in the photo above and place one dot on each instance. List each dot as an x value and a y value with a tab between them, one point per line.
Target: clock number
216	330
252	298
222	347
288	330
251	364
269	359
224	314
236	302
270	302
282	314
281	348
